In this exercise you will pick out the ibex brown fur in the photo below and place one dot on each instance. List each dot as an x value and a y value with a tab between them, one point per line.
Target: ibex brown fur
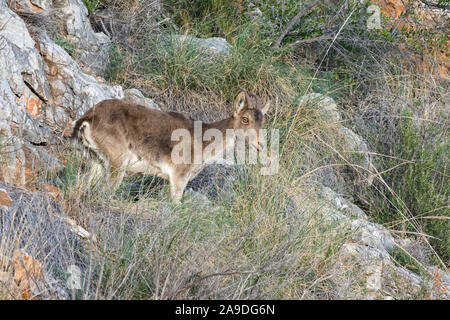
128	137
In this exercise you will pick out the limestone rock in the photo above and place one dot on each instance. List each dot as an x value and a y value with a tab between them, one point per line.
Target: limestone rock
5	200
93	47
366	251
30	6
341	204
382	278
40	160
439	286
136	96
326	105
73	92
372	234
356	144
12	156
336	208
27	60
213	45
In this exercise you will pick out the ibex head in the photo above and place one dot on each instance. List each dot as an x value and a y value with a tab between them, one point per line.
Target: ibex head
249	115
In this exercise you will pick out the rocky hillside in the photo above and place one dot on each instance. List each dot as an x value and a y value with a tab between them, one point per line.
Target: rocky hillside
53	66
43	88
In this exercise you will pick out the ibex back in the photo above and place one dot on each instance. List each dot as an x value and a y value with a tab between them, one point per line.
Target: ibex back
128	137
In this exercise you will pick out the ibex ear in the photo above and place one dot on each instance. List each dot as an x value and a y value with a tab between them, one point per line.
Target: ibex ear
240	103
265	108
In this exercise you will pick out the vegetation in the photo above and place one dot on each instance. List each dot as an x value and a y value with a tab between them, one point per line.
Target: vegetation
66	45
410	198
91	5
356	67
417	173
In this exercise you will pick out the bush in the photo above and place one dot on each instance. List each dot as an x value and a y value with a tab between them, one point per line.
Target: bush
417	173
209	17
66	45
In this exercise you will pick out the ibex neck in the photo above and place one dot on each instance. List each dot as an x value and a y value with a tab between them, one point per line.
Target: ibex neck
222	126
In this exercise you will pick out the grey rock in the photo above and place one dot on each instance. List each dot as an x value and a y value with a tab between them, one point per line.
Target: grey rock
365	253
412	280
213	45
136	96
342	204
7	101
71	88
76	23
444	276
12	156
26	57
11	72
372	234
47	160
34	130
416	248
93	47
30	6
336	208
383	279
355	143
439	287
328	108
43	4
364	231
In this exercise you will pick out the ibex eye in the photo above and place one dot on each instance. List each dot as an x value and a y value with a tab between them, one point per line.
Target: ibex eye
245	120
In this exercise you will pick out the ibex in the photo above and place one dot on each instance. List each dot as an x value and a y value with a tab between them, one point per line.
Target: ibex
128	137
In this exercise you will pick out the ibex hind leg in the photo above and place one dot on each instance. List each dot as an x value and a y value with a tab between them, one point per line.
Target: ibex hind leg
100	166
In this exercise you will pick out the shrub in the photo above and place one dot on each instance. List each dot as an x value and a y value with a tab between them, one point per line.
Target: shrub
66	45
209	17
116	67
92	5
417	173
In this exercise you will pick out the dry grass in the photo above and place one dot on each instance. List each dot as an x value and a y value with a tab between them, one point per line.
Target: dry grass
255	246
